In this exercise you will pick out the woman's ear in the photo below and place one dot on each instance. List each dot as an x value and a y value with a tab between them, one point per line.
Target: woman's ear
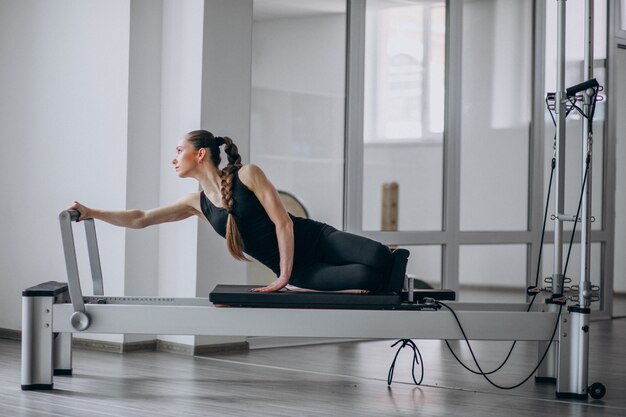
201	154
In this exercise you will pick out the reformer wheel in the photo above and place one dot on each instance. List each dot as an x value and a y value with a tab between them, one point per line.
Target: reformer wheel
597	390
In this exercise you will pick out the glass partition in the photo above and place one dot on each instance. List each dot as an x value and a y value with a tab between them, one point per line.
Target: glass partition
425	264
298	100
404	113
492	273
574	58
495	114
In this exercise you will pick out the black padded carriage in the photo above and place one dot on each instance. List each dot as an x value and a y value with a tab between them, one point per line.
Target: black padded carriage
241	296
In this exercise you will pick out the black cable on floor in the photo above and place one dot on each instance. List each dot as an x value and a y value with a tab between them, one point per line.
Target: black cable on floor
484	374
556	326
416	354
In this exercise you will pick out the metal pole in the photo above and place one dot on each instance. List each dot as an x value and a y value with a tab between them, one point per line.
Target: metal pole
548	370
94	257
573	382
557	275
587	145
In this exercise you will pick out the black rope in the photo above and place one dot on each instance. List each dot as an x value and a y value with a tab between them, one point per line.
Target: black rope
416	351
416	354
556	326
530	304
543	229
484	374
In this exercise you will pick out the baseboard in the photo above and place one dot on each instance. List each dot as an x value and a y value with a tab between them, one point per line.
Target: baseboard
141	346
221	348
158	346
176	348
11	334
97	345
268	342
188	350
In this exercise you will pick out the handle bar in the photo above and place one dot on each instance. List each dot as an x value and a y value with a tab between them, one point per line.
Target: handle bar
80	320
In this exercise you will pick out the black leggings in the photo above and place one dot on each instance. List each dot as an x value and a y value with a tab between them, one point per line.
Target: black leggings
345	261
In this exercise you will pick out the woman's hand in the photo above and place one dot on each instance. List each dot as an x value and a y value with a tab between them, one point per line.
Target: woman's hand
277	285
84	211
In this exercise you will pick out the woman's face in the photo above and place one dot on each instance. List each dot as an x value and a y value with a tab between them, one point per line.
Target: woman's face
186	158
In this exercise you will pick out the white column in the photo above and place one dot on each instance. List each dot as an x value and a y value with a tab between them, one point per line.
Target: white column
144	149
181	83
225	111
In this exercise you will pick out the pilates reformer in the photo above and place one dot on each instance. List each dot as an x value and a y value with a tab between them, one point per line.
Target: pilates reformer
53	311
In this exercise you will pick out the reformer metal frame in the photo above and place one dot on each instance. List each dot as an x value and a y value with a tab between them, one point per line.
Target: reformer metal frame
53	313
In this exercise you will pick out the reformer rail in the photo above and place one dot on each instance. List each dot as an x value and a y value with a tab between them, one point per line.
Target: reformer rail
53	311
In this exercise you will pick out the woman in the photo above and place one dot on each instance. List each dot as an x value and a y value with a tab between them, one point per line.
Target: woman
243	206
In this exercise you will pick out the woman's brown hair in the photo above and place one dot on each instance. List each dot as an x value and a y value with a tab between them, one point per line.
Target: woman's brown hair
205	139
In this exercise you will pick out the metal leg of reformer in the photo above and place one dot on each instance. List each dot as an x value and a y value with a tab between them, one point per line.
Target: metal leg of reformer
548	369
573	355
37	343
62	354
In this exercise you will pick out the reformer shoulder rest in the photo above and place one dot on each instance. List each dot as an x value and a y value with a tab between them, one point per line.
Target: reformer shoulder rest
241	296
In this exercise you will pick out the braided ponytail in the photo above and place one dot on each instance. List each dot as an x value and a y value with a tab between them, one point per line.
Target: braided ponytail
205	139
233	237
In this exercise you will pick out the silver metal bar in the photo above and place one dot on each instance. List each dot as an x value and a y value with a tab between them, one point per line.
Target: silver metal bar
366	324
547	371
69	249
62	352
557	274
94	257
355	80
204	302
587	148
574	356
450	257
148	300
574	369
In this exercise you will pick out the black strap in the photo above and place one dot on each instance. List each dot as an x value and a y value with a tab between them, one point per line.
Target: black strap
416	354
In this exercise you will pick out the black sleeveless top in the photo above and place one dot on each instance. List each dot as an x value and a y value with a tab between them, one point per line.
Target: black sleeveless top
258	232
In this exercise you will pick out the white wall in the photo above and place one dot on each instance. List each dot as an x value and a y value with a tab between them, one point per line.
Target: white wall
63	124
95	98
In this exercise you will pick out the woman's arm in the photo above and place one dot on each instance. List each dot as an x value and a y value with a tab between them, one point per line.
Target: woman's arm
138	219
254	178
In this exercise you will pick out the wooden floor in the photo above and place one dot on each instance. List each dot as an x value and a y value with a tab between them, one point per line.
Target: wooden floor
342	379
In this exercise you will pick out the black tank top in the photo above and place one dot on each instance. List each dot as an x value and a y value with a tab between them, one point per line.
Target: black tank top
258	232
